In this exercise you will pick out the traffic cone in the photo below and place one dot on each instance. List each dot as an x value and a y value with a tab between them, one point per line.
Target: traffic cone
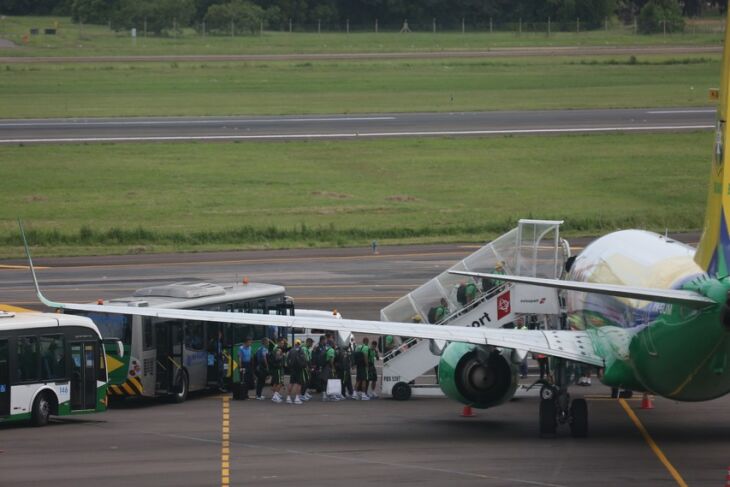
646	402
467	412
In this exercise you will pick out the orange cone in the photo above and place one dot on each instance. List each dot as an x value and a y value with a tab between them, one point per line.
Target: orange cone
467	412
646	402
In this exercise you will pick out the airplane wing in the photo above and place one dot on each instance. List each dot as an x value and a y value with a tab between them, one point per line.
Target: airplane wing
571	345
679	296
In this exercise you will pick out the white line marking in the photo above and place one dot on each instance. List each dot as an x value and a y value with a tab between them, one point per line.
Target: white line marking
669	112
354	135
86	123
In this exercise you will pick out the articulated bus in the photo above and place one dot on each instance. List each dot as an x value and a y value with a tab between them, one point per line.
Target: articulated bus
50	364
169	358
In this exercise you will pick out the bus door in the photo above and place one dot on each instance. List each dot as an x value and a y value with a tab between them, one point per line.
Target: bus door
169	354
211	335
83	375
4	379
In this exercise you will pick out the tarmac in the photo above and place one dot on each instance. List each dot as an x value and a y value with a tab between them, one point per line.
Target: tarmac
418	442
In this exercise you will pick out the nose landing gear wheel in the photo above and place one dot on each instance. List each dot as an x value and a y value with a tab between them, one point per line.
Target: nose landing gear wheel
579	418
548	418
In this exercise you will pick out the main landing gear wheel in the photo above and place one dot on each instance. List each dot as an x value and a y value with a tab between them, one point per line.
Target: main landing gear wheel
401	391
548	418
579	418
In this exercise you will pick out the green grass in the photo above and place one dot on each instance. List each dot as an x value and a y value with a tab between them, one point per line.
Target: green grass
87	40
238	88
189	196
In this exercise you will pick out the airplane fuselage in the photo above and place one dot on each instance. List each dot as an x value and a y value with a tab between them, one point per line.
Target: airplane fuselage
671	350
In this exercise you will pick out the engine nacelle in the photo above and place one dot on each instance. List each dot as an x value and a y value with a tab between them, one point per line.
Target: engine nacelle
476	376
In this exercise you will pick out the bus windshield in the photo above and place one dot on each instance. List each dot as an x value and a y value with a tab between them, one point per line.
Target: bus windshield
112	325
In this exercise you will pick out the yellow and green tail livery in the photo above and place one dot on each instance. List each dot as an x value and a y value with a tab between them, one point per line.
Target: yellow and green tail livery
713	252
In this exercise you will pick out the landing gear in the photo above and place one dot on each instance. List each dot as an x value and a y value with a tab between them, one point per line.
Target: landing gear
401	391
556	407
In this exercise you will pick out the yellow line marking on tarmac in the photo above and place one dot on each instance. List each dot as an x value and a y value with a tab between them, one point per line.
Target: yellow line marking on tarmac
652	444
18	267
271	260
225	442
14	309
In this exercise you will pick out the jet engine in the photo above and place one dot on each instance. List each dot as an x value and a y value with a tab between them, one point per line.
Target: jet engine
477	376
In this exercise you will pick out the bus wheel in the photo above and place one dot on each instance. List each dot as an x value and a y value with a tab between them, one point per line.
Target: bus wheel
181	388
41	410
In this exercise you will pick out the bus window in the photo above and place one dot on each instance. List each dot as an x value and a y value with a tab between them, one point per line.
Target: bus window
27	359
52	357
148	334
194	335
113	325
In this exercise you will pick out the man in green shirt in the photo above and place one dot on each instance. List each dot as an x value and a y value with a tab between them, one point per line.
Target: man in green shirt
372	371
307	349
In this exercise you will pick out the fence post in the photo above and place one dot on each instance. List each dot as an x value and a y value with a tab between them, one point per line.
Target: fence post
319	26
548	31
376	26
490	25
261	27
664	26
463	27
577	25
519	31
434	25
145	26
233	29
347	25
636	26
174	26
290	26
606	21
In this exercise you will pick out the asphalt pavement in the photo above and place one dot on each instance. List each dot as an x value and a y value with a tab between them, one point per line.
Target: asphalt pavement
353	126
421	441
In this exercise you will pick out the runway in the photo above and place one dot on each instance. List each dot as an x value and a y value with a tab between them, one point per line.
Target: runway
277	128
422	441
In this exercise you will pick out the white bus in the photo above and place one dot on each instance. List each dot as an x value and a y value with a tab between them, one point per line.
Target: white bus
50	364
173	357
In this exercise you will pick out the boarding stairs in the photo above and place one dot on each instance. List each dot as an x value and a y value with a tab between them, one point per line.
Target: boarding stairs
534	248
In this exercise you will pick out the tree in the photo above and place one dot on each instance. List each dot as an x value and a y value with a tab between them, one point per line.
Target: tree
245	16
92	11
658	15
161	16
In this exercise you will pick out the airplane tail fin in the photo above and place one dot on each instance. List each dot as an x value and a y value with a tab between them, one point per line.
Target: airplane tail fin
713	251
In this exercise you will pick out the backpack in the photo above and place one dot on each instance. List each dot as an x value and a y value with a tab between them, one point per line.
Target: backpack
461	294
296	358
276	358
359	356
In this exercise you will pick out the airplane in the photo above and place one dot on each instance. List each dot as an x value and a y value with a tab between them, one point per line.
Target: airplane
652	312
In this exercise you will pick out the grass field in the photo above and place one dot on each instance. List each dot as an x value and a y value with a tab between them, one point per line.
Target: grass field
237	88
188	196
87	40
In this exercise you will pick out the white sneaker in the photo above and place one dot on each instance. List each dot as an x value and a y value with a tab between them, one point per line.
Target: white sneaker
307	396
588	381
276	399
356	396
364	397
288	399
324	397
277	395
260	398
298	400
373	395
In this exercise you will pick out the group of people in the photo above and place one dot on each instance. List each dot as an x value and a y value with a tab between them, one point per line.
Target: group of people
309	367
